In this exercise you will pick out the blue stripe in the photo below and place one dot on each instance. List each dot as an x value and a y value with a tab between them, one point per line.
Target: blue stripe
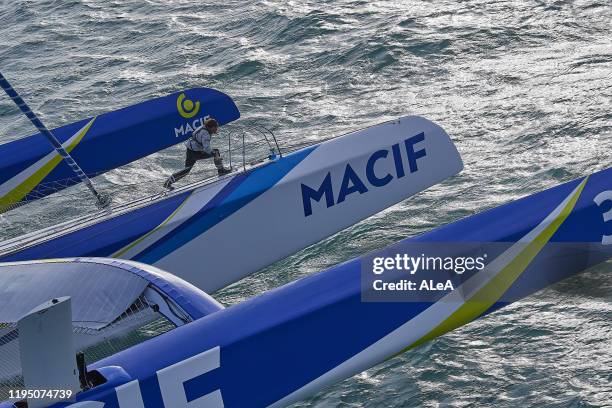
323	318
98	152
104	238
42	129
214	202
254	183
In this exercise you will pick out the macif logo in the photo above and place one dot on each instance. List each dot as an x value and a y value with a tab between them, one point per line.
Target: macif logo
172	388
186	108
351	183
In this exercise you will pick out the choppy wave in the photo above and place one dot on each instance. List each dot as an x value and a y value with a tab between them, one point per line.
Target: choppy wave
523	87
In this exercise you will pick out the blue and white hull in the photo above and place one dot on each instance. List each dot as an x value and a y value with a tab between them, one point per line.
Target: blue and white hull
291	342
215	234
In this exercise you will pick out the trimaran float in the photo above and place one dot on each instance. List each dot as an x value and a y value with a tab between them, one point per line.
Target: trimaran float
87	281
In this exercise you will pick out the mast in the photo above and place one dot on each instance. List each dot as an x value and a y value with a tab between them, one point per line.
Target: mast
102	199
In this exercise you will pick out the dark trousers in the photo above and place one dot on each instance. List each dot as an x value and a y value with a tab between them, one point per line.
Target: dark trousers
191	158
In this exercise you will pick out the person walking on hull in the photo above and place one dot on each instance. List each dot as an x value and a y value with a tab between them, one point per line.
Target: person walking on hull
198	148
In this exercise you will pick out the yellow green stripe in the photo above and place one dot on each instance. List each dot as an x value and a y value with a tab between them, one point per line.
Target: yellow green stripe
130	246
23	189
493	290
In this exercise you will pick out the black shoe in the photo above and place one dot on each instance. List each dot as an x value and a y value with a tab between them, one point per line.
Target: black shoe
168	184
223	171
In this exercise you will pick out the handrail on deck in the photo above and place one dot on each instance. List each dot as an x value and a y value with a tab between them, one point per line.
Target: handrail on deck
266	135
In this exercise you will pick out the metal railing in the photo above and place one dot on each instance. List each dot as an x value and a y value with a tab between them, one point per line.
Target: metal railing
265	136
238	133
244	143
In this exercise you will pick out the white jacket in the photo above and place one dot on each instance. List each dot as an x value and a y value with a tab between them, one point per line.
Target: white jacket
199	141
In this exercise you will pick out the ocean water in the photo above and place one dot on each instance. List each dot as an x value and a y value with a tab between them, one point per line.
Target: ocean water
524	88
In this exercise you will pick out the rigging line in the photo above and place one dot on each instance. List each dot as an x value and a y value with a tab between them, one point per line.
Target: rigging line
103	200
